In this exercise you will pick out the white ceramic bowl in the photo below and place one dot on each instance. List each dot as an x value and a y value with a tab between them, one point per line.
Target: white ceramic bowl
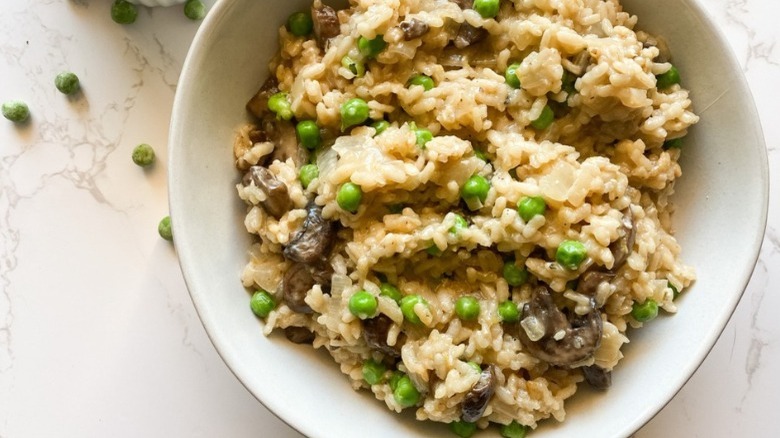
721	199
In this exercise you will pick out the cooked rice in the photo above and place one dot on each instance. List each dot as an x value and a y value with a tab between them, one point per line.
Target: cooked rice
602	155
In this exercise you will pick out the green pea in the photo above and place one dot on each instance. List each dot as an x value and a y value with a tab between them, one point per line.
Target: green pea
390	291
474	365
666	80
508	312
425	81
67	82
357	68
463	429
405	393
300	23
362	304
395	377
545	119
164	229
423	136
349	197
487	8
479	153
514	430
567	82
434	250
194	9
373	372
675	291
407	307
646	311
514	275
475	187
279	104
371	48
308	134
307	174
511	75
123	12
531	206
675	143
460	224
467	308
380	126
16	111
262	303
353	112
570	254
143	155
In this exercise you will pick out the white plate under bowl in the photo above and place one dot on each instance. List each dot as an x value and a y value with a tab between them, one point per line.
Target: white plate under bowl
720	221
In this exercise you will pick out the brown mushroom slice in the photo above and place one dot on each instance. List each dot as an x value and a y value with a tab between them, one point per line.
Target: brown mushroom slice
326	23
285	140
258	104
597	377
468	35
476	400
312	243
297	282
590	281
277	198
375	332
414	28
548	334
622	247
299	335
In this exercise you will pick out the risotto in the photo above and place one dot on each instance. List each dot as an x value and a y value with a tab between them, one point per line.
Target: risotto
466	203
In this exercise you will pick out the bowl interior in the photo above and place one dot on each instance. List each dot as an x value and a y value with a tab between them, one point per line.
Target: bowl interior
724	158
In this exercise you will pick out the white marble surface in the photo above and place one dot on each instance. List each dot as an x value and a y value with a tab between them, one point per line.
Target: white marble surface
98	336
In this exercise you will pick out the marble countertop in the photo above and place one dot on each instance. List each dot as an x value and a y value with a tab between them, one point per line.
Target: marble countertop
98	336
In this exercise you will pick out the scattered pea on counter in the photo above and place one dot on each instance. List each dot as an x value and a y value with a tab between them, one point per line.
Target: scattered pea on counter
143	155
16	111
124	12
164	228
67	82
194	9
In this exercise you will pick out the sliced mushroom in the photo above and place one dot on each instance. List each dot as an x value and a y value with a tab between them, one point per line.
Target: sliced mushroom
297	282
597	377
468	35
258	104
299	335
375	334
476	400
277	198
589	282
622	247
547	333
414	28
312	243
664	54
326	23
282	134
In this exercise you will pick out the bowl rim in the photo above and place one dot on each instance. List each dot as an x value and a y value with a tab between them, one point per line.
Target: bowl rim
209	323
